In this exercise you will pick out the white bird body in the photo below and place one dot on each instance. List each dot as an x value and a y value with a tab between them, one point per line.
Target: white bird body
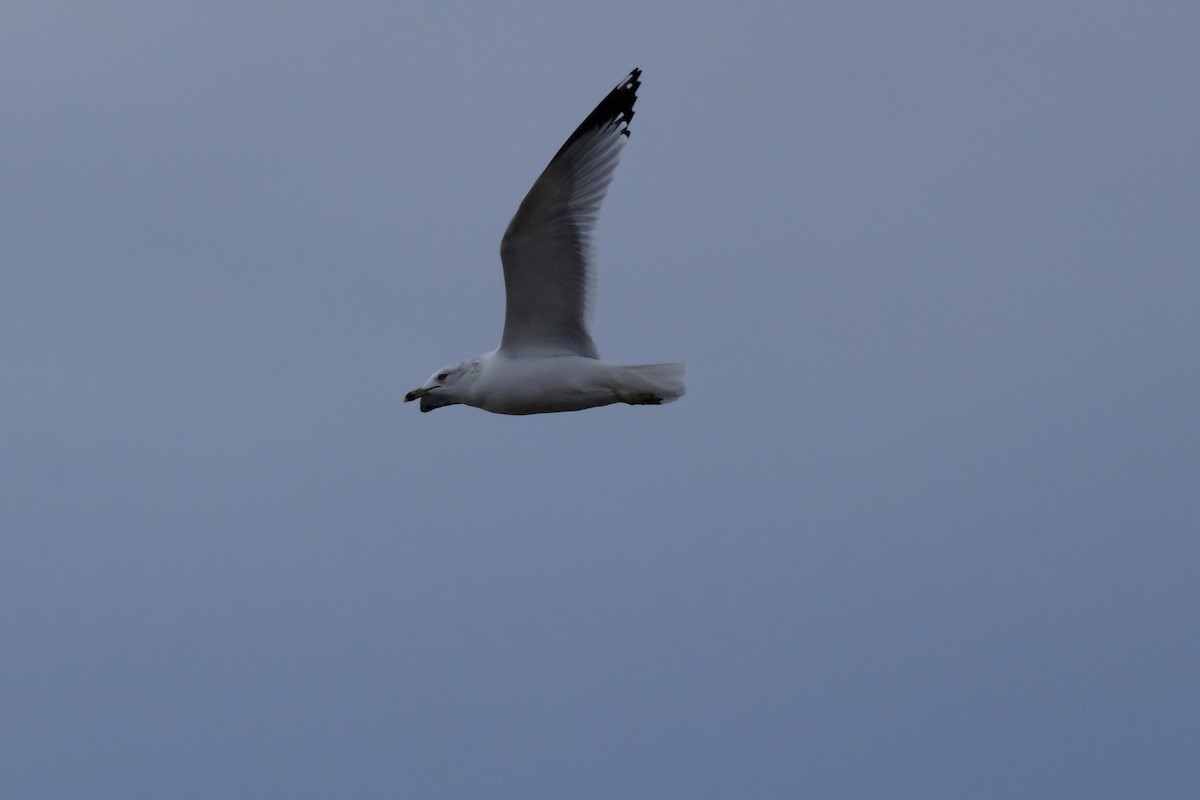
547	361
506	385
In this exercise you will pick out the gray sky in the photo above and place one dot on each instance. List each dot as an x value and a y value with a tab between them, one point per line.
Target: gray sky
924	526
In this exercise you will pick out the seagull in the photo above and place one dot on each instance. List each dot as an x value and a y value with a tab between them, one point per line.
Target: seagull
546	361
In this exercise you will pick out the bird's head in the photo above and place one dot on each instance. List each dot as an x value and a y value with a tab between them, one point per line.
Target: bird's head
444	387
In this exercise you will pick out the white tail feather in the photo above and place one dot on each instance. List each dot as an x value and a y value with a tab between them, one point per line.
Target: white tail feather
650	384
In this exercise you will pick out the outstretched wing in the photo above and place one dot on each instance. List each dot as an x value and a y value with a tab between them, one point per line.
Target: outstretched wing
547	249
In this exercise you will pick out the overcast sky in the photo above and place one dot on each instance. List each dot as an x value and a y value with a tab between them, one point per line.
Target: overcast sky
925	525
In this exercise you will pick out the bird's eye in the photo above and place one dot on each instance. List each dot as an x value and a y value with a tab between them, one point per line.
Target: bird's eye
443	375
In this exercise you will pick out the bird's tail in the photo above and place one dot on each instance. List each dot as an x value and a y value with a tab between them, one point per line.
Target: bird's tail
651	384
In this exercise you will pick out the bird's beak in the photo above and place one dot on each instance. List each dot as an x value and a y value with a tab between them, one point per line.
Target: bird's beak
414	394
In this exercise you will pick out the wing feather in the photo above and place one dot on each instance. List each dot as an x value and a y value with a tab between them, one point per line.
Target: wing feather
547	248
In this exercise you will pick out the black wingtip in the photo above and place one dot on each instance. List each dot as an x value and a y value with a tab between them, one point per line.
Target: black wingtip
615	110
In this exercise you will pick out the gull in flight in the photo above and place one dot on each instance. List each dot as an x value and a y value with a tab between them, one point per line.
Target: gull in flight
546	360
